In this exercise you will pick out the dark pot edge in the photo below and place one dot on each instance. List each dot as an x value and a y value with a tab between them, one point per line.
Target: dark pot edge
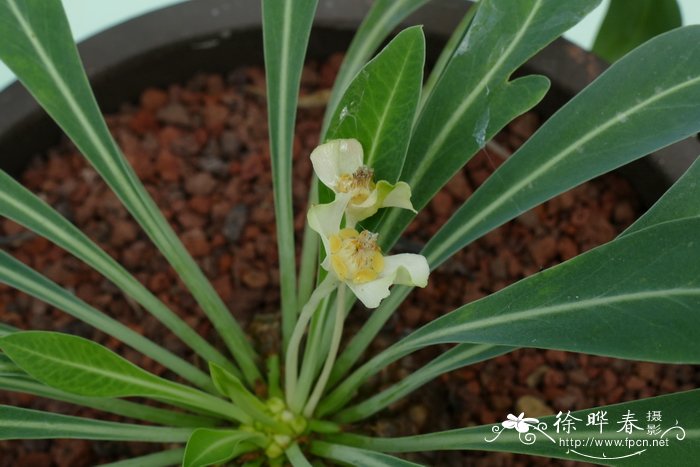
206	25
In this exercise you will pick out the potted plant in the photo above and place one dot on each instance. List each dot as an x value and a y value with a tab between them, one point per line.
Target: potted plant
389	144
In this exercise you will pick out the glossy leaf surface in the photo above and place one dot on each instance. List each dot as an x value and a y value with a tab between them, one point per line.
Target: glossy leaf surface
19	423
378	108
614	300
18	381
589	136
208	446
680	201
80	366
381	19
636	297
286	29
475	97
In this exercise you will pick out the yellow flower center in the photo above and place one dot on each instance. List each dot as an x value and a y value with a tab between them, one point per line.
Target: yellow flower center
360	184
356	256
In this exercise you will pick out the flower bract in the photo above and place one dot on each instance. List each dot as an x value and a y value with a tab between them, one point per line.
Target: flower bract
339	166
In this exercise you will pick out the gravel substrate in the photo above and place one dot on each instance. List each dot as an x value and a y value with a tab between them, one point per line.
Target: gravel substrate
201	149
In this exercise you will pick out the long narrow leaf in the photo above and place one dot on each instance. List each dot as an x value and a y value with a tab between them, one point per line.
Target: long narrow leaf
22	383
22	206
296	457
19	423
22	277
475	97
674	439
647	284
589	136
457	357
80	366
207	446
379	106
348	455
630	23
448	52
157	459
381	19
286	29
37	45
680	201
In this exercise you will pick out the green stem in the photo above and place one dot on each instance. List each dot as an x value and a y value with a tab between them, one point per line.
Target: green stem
309	252
313	352
292	357
361	341
342	394
273	377
330	360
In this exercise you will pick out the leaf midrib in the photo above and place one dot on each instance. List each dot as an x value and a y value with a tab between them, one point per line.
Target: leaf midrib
389	104
540	170
439	141
143	383
549	311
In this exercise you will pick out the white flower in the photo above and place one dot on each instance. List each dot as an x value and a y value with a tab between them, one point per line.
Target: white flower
339	166
356	259
521	425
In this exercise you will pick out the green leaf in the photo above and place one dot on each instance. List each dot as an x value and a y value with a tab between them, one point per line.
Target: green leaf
380	21
20	382
207	446
680	201
19	423
157	459
230	386
296	457
630	23
678	427
80	366
37	45
591	135
458	357
286	29
379	106
22	277
347	455
647	283
6	329
475	97
635	297
22	206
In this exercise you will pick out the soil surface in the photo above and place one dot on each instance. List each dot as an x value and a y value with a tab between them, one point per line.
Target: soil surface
201	149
